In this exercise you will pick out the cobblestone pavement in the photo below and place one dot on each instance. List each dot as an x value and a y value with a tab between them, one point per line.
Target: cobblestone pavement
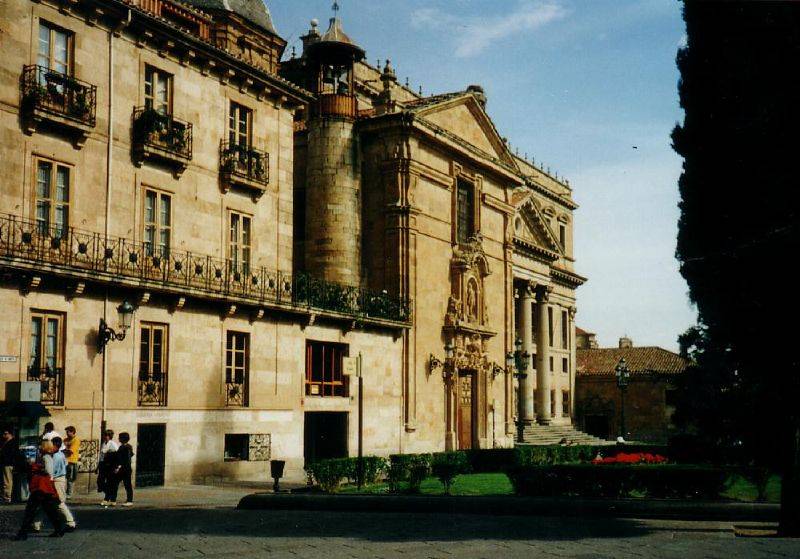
169	523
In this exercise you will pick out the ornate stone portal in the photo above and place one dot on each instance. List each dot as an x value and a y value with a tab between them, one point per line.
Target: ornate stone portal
466	330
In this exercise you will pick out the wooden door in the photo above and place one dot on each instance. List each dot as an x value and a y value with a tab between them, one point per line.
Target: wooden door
466	413
150	454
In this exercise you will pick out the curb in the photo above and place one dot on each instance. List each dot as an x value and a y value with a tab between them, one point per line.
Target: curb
517	506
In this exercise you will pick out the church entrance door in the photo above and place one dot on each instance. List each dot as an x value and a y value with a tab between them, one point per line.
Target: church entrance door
466	409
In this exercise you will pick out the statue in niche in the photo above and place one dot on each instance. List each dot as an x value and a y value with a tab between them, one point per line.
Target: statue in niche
472	301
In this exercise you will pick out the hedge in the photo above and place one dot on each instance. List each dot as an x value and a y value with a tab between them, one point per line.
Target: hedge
663	481
330	473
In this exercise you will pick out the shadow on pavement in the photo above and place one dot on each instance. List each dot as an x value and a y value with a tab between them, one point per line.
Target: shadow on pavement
376	527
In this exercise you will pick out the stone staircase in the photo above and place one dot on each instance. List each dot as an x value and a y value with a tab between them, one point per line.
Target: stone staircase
553	434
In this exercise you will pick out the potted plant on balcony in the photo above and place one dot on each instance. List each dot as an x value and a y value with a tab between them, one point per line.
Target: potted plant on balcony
80	103
175	137
149	126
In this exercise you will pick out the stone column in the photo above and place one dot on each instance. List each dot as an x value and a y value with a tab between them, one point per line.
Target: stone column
543	355
526	327
573	363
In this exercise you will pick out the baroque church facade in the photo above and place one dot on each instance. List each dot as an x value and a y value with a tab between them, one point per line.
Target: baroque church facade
199	234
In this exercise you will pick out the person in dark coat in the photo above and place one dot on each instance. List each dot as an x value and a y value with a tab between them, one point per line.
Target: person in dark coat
124	469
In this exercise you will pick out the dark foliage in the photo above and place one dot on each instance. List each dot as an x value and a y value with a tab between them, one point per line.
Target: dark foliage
740	208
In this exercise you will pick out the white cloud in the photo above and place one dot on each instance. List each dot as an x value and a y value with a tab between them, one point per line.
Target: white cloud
473	35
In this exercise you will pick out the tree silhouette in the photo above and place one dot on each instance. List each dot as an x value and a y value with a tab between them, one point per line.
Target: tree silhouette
738	229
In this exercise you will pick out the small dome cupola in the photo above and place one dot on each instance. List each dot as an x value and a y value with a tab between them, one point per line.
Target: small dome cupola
333	58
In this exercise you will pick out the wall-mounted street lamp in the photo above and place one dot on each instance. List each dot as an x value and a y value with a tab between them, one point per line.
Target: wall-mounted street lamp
623	378
518	362
106	334
446	365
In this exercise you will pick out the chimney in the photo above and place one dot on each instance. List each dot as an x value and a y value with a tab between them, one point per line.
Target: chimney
625	342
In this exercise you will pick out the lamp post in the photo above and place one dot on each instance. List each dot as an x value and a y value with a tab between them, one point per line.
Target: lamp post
518	361
107	334
623	377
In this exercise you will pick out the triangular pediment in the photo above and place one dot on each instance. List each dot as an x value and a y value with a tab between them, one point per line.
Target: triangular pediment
464	117
531	227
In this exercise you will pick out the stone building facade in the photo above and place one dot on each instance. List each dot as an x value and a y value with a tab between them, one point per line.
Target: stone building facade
649	396
265	220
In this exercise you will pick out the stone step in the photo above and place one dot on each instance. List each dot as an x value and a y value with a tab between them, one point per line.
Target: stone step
553	434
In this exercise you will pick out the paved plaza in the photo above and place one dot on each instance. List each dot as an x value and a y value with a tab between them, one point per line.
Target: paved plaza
176	523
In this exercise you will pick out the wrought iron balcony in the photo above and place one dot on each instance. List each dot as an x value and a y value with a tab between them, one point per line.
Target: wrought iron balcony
152	389
236	393
243	166
83	255
52	379
58	98
161	137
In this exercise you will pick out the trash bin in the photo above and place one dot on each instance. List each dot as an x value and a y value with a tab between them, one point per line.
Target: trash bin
276	471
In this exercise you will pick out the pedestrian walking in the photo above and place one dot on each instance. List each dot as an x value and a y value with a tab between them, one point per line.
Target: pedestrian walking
50	432
43	494
123	471
106	468
60	481
72	445
8	454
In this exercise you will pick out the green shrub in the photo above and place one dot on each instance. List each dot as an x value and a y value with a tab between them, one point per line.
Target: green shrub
447	466
329	473
413	468
491	460
374	467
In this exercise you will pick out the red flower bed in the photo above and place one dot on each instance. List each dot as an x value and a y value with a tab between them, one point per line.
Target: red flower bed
633	458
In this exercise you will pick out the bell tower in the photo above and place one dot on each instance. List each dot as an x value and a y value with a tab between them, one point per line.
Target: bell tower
333	171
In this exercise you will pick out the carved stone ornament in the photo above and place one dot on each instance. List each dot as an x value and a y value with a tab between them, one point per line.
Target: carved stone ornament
471	353
468	268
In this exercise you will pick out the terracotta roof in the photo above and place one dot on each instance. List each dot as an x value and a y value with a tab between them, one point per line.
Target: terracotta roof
581	331
641	360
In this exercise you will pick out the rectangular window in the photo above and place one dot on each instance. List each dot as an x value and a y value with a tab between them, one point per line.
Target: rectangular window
324	373
562	236
240	121
237	447
465	211
564	365
55	48
550	325
670	397
52	198
552	402
157	90
564	330
47	341
153	351
157	223
565	403
551	363
239	242
237	357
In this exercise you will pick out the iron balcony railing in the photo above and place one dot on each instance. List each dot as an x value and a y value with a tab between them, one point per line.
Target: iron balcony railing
53	92
152	389
244	162
236	393
162	132
52	379
69	250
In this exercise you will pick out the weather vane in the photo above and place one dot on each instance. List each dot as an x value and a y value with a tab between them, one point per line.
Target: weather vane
335	7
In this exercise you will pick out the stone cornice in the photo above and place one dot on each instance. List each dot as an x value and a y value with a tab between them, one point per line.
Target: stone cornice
539	189
567	278
528	248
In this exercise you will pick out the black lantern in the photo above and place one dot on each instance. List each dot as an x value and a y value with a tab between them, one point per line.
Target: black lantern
106	334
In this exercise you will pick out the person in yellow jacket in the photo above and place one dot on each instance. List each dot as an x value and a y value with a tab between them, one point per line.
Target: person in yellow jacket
72	445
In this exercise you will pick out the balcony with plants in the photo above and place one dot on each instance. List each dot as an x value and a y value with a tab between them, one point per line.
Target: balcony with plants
245	167
59	100
162	138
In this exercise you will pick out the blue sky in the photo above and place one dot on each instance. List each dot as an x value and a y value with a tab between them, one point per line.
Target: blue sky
575	84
